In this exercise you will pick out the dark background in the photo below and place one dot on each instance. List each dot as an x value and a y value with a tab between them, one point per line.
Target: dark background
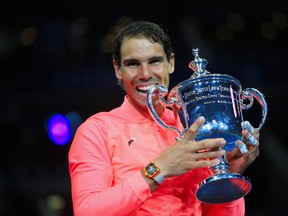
55	58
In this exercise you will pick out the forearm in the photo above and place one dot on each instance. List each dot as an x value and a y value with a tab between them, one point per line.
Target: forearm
122	199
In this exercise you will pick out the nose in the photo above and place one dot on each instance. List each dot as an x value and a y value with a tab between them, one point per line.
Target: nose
145	72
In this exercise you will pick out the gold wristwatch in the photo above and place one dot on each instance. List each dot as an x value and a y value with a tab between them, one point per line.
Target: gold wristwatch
153	171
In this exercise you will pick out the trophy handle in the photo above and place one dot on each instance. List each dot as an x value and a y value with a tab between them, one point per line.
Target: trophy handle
163	91
250	94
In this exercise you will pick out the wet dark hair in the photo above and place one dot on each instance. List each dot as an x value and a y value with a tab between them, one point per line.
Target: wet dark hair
138	29
142	28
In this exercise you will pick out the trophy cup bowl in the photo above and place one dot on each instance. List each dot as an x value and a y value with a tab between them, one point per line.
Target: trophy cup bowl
221	100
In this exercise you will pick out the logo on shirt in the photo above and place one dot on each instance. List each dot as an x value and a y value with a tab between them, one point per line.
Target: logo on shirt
132	139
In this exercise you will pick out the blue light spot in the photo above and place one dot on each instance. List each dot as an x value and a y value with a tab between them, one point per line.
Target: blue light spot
59	130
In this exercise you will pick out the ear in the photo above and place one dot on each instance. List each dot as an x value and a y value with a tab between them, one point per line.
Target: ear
172	64
118	71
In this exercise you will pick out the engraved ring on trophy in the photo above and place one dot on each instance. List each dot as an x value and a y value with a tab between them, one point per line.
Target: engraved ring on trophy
220	99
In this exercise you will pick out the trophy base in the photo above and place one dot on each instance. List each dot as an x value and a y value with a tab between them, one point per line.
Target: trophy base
222	188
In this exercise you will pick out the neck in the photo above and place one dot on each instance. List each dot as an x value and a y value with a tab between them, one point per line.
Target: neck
143	110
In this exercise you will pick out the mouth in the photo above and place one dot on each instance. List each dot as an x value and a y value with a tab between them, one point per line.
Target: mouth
144	89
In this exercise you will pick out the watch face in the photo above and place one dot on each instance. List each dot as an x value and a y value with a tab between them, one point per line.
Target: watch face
151	169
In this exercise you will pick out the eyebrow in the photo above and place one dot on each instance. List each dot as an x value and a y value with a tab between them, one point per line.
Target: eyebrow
160	58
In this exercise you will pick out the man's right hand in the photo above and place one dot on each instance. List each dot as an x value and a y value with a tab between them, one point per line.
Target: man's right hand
188	154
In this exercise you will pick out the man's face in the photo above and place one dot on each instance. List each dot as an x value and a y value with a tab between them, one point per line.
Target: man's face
143	65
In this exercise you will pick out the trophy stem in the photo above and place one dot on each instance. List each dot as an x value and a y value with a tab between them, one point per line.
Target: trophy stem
222	167
223	186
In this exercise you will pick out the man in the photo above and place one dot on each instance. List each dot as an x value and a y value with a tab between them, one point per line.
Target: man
113	152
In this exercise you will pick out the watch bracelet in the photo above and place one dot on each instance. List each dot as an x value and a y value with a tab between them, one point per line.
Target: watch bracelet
159	178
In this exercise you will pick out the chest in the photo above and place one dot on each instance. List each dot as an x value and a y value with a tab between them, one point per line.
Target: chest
131	146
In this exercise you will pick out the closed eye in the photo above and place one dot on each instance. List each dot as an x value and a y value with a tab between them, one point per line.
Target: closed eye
131	64
156	60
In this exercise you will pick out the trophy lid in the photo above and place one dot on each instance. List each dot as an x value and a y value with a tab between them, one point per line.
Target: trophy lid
198	64
201	74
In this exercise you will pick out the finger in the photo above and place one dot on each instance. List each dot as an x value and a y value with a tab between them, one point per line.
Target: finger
206	163
247	126
208	145
242	147
252	140
194	128
209	154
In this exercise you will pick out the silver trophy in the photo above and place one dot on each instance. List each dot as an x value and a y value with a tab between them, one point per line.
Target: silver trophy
220	99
